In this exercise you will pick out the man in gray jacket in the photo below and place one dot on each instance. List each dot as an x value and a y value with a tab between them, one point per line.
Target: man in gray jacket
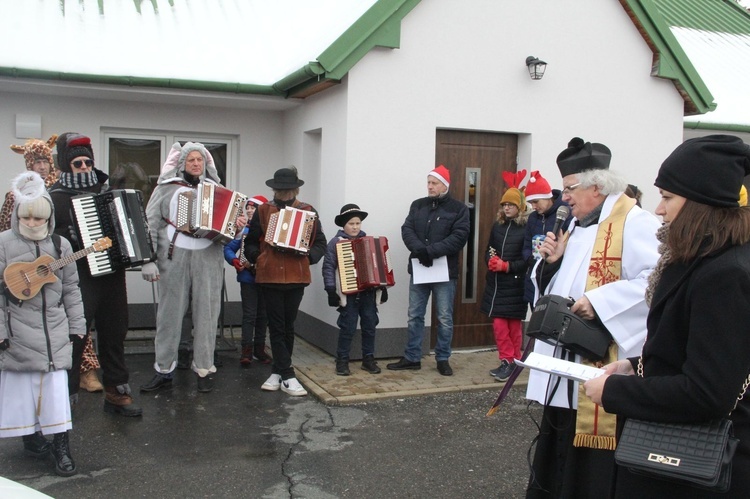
436	226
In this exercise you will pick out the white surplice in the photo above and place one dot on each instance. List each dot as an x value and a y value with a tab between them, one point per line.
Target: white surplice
620	305
34	401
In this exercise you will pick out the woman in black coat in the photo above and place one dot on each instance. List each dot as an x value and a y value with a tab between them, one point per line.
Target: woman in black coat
503	291
696	358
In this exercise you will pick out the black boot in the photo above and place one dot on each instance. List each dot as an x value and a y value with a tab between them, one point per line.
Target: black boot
35	445
64	465
342	367
369	365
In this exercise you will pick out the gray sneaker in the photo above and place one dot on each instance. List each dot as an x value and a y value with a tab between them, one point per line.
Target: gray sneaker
505	370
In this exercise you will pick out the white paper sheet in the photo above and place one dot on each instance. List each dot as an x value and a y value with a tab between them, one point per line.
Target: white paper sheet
559	367
438	272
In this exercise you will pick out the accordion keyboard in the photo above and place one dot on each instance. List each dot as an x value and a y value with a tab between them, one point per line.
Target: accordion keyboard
346	267
91	229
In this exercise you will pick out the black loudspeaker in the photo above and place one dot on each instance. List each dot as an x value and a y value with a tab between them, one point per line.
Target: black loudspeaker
552	322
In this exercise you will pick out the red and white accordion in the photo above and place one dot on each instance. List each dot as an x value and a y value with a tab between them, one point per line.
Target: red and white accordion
292	229
210	212
364	263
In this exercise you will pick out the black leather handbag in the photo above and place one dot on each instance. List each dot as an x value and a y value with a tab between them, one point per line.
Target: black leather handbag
697	455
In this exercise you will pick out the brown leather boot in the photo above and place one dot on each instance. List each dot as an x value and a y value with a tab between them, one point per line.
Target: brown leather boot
90	381
119	401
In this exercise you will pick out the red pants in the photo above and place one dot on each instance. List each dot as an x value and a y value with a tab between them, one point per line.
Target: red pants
508	337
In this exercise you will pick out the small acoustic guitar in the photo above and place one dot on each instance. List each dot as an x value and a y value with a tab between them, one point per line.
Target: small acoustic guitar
25	279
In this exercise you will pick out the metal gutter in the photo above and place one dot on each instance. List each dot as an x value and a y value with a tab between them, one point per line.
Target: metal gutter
136	81
729	127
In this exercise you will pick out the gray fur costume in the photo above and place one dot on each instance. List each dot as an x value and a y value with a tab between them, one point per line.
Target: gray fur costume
195	268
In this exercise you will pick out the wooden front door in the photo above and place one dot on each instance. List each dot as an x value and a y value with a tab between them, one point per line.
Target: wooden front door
476	161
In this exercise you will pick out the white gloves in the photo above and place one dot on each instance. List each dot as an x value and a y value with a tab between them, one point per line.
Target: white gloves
150	272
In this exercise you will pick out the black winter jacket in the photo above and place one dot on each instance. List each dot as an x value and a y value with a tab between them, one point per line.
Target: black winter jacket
503	292
537	227
441	225
695	360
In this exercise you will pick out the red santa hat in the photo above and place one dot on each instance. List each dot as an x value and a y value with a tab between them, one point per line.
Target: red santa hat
442	174
257	200
537	187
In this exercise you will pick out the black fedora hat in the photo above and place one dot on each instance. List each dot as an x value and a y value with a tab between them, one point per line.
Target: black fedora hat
349	211
285	178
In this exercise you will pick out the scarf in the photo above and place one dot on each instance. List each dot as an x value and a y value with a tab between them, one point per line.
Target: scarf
666	256
594	427
79	180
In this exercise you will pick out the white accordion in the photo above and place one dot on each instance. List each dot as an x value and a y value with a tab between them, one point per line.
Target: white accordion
292	229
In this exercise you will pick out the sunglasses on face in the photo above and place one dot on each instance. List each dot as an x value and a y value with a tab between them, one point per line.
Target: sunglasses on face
80	162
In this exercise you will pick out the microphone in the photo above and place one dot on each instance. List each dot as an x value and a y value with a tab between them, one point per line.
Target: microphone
562	214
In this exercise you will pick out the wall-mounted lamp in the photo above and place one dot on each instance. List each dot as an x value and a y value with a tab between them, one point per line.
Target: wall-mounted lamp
536	67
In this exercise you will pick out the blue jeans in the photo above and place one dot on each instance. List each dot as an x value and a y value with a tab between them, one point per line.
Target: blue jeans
358	306
442	294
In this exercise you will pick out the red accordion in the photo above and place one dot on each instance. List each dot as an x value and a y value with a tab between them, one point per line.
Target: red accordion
210	212
364	263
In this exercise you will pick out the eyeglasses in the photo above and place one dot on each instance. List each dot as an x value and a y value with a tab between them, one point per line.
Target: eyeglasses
41	160
505	205
571	188
80	162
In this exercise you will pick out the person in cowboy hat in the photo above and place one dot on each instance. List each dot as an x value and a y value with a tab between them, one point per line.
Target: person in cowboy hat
361	306
283	275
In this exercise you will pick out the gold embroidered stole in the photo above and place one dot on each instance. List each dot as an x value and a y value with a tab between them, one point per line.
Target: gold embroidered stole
594	427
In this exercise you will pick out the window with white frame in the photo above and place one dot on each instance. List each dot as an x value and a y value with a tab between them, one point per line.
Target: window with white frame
134	158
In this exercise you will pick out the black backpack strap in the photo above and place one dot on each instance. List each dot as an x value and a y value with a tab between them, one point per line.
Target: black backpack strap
57	243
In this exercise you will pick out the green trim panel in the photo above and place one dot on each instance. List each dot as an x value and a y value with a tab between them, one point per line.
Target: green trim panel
671	62
380	26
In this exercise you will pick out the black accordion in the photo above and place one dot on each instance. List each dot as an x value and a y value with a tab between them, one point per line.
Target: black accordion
552	322
119	215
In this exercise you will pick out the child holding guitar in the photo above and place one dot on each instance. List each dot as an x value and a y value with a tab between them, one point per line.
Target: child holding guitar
35	331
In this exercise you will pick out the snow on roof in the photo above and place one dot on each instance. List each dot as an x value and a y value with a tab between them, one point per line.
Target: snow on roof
722	61
238	41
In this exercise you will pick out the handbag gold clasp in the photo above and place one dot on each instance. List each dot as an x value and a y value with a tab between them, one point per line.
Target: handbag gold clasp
658	458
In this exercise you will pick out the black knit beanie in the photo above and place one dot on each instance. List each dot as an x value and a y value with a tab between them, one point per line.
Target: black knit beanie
71	145
708	170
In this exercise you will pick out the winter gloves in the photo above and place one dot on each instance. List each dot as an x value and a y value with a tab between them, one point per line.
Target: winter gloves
333	298
498	265
423	257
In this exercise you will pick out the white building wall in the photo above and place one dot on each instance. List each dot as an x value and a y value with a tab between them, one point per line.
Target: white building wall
259	136
371	140
461	65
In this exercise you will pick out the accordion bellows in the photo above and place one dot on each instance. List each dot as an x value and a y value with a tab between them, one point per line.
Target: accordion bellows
292	229
364	263
210	212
